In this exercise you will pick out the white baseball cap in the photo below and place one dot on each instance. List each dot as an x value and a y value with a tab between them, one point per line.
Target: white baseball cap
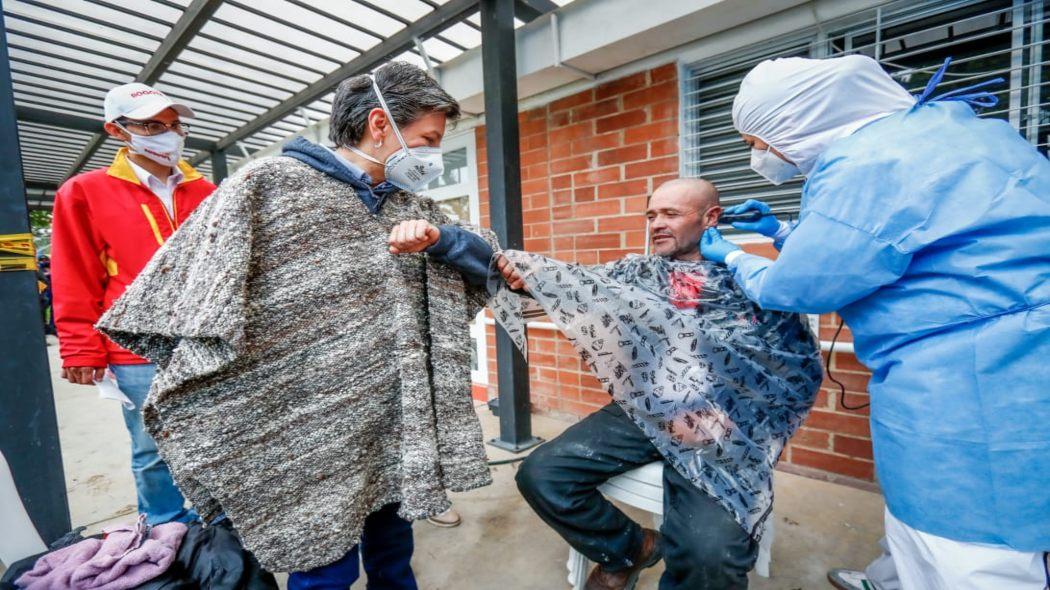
138	101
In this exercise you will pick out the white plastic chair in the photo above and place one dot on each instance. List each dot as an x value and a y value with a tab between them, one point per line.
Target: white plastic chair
644	488
19	538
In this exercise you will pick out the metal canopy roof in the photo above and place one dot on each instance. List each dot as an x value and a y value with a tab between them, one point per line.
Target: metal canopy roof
255	71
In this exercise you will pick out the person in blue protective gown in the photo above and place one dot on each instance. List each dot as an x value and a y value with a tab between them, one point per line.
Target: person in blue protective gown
928	230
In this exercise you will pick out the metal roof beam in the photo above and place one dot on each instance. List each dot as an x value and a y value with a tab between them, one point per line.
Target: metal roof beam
297	27
57	119
203	52
73	46
71	99
182	32
109	81
33	127
35	138
56	91
68	121
222	72
96	21
262	53
73	110
53	69
338	19
441	18
191	21
530	10
212	55
396	17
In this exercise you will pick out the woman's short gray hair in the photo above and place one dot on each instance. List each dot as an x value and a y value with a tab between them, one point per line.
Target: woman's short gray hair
409	93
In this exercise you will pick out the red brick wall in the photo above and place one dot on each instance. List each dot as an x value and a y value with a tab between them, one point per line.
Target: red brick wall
588	162
833	438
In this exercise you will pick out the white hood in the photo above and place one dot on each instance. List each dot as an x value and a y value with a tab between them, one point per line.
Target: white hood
800	106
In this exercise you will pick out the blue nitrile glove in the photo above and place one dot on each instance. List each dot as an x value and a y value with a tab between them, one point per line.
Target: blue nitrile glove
714	247
767	226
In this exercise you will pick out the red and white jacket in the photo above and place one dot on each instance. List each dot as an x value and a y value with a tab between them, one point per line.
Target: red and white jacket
106	227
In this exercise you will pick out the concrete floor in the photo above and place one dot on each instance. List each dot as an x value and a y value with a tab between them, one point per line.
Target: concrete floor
501	543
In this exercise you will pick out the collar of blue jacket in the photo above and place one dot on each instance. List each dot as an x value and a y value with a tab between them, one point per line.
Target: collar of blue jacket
338	167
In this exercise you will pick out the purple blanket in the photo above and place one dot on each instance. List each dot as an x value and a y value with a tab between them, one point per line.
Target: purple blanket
129	555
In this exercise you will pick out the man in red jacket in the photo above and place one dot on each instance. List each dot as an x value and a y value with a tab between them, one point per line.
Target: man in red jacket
106	226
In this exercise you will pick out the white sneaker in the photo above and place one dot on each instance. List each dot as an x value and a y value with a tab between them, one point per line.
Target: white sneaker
849	580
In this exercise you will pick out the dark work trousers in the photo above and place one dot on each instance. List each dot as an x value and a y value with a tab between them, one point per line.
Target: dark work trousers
386	550
704	548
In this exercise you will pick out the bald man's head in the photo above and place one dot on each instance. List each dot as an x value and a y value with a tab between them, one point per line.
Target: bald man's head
679	211
700	193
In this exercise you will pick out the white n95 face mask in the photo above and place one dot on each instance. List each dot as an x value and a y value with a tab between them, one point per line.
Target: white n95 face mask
772	167
411	169
165	148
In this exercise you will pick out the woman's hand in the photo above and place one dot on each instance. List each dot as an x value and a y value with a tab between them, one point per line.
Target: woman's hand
714	247
510	274
767	224
413	236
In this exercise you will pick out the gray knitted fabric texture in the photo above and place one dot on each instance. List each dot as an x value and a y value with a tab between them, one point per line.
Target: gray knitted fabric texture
306	376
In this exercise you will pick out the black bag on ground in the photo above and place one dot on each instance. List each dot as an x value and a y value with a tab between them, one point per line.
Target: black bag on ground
16	569
211	558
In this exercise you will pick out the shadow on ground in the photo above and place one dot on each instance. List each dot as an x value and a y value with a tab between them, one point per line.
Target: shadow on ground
501	544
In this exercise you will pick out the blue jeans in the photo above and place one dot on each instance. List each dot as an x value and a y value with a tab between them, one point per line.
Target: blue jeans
386	548
158	497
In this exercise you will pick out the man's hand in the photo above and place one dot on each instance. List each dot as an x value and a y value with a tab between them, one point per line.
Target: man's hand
413	236
510	274
83	375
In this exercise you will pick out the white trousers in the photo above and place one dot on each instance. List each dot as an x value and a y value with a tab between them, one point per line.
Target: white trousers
928	562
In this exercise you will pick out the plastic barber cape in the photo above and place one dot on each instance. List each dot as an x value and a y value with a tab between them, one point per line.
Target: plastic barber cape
717	384
929	231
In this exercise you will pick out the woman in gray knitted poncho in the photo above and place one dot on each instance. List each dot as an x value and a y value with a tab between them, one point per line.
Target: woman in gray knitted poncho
311	326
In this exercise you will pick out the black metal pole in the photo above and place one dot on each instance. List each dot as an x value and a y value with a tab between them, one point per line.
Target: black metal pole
219	169
504	158
28	426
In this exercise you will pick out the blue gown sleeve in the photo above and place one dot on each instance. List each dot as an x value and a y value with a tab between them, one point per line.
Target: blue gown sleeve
782	234
824	265
465	251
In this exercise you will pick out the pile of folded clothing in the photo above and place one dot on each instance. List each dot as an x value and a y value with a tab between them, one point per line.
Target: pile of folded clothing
171	556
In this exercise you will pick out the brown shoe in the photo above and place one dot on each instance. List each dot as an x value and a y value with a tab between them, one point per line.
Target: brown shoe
627	578
447	519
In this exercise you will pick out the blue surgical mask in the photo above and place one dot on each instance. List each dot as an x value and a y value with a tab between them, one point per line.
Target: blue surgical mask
772	167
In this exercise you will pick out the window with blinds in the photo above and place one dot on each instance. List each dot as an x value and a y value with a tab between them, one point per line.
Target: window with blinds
987	39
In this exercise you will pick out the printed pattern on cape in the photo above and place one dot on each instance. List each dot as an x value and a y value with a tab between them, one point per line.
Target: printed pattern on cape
718	384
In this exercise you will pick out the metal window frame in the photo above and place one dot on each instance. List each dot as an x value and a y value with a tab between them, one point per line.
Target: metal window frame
702	107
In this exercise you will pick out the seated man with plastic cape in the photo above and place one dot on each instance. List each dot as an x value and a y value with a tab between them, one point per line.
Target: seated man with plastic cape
701	379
